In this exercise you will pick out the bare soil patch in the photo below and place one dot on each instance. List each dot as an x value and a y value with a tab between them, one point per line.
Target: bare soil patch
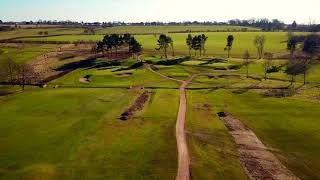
279	93
136	106
84	80
256	159
124	74
229	76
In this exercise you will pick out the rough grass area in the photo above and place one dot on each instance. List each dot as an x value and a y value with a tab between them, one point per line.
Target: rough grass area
35	32
76	134
213	152
24	53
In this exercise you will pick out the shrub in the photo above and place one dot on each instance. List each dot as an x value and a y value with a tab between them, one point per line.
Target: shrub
273	69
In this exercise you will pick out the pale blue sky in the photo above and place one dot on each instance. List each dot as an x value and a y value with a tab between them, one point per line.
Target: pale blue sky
159	10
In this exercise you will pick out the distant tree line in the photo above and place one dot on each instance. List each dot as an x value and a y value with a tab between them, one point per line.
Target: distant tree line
263	23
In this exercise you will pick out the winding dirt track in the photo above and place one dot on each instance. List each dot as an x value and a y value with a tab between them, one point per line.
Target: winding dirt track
183	154
256	159
183	172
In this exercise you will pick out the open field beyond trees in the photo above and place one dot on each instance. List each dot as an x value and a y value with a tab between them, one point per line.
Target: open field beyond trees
275	42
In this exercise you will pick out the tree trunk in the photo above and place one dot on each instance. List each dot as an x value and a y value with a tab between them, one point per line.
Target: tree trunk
116	51
292	79
228	53
173	51
165	53
304	78
247	71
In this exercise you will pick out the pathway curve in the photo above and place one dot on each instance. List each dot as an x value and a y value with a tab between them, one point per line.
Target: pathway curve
183	172
255	157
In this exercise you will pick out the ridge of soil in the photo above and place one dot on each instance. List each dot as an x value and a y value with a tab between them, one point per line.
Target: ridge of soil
256	159
136	106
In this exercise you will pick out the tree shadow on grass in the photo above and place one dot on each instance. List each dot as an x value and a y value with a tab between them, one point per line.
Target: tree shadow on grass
89	64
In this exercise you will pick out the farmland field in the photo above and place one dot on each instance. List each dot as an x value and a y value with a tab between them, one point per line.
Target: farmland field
172	29
35	32
25	53
275	42
122	30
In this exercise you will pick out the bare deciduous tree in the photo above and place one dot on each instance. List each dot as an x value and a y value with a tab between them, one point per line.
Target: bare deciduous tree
246	61
9	70
26	75
267	62
259	42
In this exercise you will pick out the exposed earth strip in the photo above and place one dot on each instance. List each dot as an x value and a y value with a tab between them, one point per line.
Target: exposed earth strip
256	159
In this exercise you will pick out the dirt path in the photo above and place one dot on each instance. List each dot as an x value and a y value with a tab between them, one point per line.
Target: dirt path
84	80
256	159
162	75
183	172
183	154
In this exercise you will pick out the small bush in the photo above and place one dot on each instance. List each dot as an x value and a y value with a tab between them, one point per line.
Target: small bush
273	69
234	67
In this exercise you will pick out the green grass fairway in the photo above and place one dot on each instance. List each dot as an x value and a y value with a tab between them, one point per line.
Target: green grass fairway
107	78
215	45
213	153
76	134
289	125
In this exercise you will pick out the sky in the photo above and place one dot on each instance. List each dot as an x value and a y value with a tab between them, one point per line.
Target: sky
303	11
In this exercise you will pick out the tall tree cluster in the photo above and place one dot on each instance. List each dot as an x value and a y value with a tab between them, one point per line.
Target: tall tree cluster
112	43
164	43
197	43
302	55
